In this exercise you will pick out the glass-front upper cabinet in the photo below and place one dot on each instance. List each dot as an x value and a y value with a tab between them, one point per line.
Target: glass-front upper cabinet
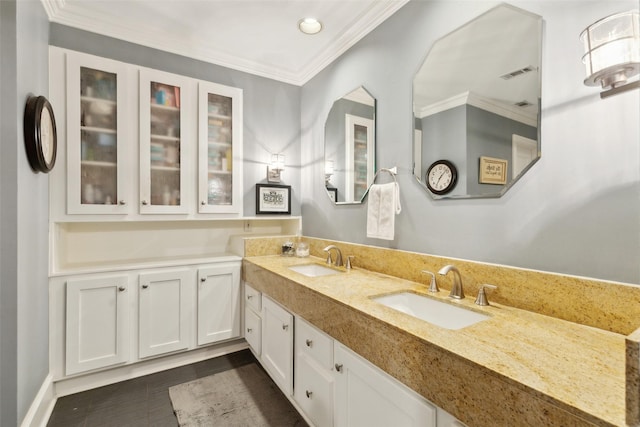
96	170
163	142
359	156
220	149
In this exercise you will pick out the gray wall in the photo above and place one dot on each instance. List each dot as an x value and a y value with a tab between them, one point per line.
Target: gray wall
271	108
576	211
24	329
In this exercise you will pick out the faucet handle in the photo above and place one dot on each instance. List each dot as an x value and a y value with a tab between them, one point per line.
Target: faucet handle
329	260
433	286
349	258
482	296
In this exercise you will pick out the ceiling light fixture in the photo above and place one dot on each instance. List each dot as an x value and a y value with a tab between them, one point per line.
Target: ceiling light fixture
612	47
310	26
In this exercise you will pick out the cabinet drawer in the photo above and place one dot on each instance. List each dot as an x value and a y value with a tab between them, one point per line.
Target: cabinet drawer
252	298
253	331
316	344
314	391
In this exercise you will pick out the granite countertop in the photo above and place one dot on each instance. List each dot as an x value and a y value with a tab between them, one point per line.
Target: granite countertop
535	369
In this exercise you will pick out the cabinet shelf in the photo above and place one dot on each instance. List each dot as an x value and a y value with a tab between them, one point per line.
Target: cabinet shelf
98	164
165	168
92	99
164	138
165	108
94	129
218	116
219	172
213	143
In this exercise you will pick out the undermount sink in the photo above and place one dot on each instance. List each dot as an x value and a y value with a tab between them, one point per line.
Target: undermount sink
433	311
314	270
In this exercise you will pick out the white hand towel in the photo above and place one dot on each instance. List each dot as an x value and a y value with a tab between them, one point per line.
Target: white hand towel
384	205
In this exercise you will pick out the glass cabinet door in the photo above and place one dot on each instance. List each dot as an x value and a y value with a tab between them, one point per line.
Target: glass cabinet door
359	156
95	180
162	142
220	149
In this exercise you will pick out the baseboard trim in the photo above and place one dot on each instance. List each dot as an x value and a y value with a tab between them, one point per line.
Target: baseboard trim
89	381
42	406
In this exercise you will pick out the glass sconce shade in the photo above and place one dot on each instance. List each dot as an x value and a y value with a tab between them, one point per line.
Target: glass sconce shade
277	161
612	47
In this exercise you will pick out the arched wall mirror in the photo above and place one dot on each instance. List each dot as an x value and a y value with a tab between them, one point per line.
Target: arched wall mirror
476	106
349	147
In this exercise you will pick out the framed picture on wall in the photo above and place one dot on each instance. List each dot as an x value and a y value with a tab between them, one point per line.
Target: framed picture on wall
333	193
493	171
273	199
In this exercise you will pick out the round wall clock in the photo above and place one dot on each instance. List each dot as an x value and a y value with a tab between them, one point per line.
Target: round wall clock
40	135
441	177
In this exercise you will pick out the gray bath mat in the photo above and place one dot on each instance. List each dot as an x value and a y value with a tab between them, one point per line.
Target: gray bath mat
243	396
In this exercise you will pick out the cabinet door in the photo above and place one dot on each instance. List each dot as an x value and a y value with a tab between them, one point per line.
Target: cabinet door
163	324
218	303
164	142
220	149
97	323
367	396
253	331
277	344
97	167
313	390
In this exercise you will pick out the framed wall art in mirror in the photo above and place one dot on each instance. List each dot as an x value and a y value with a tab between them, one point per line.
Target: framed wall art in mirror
477	95
349	147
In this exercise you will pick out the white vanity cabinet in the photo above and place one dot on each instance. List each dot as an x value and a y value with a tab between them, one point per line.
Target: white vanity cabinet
97	322
367	396
277	344
163	316
253	319
313	379
218	303
98	171
101	321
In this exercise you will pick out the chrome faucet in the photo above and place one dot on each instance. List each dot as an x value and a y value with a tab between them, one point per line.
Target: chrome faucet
457	291
338	262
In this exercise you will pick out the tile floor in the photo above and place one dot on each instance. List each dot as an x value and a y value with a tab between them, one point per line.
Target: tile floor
138	402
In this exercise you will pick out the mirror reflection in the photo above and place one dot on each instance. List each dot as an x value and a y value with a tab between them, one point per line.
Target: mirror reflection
476	105
349	147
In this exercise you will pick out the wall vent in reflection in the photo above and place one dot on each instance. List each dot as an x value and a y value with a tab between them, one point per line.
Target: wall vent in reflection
519	72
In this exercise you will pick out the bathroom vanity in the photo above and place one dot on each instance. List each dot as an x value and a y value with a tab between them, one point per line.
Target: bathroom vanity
517	367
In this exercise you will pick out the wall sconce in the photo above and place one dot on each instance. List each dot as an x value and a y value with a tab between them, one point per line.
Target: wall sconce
275	168
328	171
612	47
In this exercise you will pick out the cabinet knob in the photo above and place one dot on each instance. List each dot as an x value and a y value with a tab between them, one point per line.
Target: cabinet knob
285	327
122	202
203	279
249	296
122	288
309	342
338	367
145	203
203	203
308	393
145	286
249	330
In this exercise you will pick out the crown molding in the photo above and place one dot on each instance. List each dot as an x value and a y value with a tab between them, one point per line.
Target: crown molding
469	98
147	35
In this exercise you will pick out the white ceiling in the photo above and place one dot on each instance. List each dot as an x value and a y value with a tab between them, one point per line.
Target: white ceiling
256	36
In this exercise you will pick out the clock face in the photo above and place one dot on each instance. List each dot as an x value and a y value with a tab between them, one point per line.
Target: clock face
46	135
441	177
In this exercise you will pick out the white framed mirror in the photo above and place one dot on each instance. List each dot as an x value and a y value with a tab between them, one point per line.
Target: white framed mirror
476	105
349	147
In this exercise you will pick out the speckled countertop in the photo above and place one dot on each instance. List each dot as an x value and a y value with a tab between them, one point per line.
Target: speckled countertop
515	368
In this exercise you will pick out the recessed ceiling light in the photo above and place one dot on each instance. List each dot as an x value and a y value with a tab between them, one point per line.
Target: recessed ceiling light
310	26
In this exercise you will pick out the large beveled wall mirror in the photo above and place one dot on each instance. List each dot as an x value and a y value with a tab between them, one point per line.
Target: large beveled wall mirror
476	105
349	147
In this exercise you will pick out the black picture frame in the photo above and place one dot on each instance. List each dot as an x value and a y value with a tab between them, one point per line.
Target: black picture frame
333	193
273	199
